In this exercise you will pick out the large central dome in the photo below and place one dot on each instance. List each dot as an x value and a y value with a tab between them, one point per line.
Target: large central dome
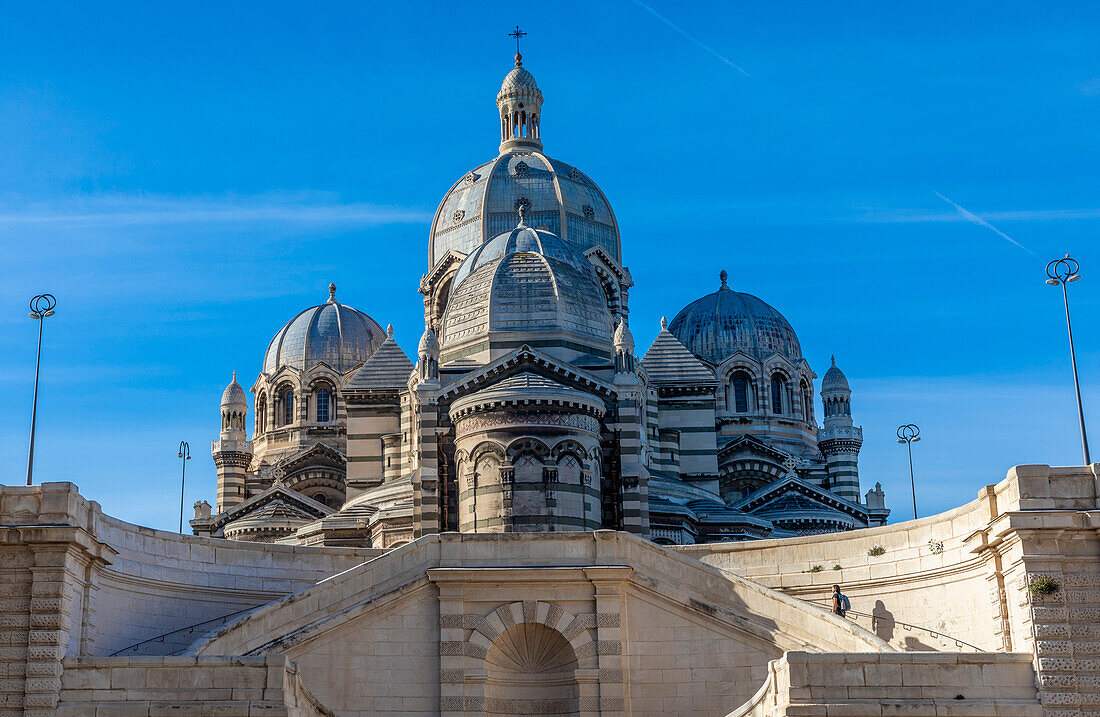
557	197
720	324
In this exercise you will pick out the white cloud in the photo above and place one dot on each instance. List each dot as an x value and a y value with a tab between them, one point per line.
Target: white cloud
121	209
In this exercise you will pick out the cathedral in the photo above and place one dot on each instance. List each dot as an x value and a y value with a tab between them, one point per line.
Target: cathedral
526	407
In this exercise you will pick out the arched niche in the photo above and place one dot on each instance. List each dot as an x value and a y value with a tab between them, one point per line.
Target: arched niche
531	669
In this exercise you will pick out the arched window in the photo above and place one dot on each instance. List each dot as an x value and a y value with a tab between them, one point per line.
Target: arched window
741	393
261	414
777	394
321	498
322	406
288	407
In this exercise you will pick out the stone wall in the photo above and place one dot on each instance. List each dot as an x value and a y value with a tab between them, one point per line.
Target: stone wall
154	686
642	626
916	684
967	573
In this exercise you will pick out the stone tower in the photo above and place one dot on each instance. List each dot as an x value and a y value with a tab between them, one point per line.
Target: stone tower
232	451
840	439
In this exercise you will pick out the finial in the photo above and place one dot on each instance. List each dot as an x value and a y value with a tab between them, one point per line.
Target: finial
833	359
389	331
724	276
332	292
234	375
664	323
517	33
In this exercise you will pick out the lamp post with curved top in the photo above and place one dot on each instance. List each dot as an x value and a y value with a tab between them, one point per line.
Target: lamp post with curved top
184	455
910	434
1059	273
42	306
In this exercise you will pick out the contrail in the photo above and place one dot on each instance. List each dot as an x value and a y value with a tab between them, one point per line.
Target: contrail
971	217
673	25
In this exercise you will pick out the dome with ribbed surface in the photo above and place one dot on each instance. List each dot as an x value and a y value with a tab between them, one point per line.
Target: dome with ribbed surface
720	324
558	198
525	286
517	80
332	333
234	394
834	380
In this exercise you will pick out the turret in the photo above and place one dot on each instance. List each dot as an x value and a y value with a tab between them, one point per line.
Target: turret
520	104
840	439
232	451
427	354
623	344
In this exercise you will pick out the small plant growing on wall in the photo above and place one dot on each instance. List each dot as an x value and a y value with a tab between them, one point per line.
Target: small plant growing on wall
837	567
876	550
814	569
1043	585
935	546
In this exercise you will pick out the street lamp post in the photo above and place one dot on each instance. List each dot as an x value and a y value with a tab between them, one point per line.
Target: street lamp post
910	434
184	455
1060	273
41	307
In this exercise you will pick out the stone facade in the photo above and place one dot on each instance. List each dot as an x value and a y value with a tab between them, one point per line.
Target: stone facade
102	617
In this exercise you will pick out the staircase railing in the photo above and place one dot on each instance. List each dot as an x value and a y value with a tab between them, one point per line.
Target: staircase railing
908	627
148	647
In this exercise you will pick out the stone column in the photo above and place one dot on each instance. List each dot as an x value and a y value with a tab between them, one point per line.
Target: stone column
611	679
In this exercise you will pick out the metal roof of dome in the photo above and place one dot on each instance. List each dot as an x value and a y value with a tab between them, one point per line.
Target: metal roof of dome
834	379
526	281
720	324
332	333
557	197
234	393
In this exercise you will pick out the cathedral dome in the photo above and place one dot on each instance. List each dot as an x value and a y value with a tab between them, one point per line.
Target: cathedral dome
720	324
525	286
332	333
557	197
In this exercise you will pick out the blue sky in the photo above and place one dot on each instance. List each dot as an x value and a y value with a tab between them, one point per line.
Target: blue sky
186	178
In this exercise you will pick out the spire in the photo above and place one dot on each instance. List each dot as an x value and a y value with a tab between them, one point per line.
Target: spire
520	104
517	33
332	293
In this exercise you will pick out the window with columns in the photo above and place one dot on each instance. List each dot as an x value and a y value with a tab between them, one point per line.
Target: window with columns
322	405
288	407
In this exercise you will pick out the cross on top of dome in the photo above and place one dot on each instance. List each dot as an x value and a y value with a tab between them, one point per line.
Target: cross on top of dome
517	33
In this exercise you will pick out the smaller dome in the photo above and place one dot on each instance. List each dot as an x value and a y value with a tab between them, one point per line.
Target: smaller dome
234	394
719	325
518	80
332	333
525	285
834	380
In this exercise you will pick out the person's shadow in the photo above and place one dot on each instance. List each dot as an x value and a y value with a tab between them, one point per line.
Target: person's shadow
882	621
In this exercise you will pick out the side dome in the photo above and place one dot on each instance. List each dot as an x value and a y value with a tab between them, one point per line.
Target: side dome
332	333
525	286
718	325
